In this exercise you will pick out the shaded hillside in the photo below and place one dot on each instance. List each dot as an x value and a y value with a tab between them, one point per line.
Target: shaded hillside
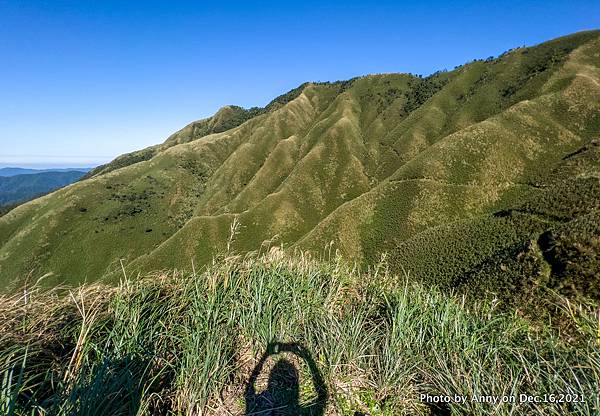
22	187
484	176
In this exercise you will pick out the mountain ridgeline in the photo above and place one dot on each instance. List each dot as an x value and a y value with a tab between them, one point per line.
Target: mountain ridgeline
483	178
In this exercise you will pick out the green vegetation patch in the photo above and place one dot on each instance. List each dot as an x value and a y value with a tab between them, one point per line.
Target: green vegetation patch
285	333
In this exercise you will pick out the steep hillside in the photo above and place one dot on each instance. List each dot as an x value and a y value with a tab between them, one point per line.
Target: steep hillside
226	118
484	176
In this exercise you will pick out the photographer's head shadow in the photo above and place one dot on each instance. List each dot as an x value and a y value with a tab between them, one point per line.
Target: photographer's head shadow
282	395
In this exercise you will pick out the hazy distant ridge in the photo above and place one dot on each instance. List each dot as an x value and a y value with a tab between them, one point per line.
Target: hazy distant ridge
4	172
22	187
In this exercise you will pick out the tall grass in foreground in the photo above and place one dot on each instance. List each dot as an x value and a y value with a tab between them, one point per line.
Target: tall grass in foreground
185	344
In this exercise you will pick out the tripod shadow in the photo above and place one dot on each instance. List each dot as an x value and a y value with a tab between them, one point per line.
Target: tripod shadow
282	395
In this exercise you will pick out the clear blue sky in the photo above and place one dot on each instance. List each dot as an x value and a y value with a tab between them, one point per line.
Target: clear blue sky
82	82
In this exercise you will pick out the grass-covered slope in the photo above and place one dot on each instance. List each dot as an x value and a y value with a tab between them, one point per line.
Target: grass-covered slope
252	334
490	167
226	118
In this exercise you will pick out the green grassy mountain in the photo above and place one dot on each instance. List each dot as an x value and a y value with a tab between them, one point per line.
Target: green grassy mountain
486	176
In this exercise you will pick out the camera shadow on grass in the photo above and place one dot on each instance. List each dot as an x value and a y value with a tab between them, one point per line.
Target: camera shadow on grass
282	394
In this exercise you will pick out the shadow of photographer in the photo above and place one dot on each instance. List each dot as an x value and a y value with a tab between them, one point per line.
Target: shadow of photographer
282	395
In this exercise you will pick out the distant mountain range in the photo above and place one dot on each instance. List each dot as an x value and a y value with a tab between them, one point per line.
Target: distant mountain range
4	172
19	185
485	179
